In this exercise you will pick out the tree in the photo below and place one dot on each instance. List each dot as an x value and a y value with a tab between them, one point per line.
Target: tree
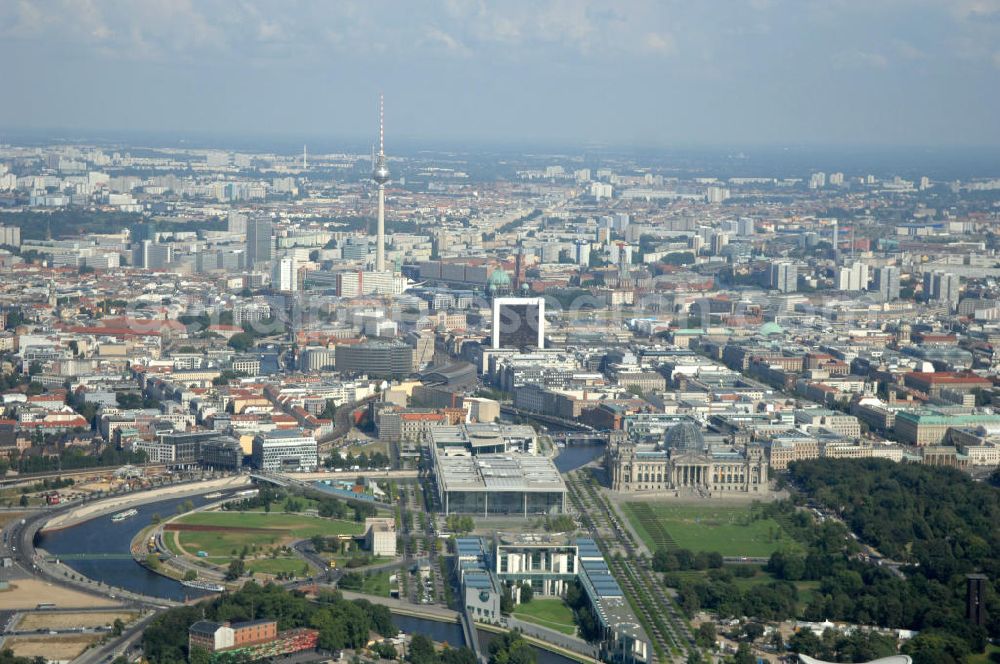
936	648
241	342
421	650
744	655
153	562
527	592
753	631
511	648
805	642
458	656
117	627
506	601
385	650
665	561
199	655
23	502
329	411
237	568
706	635
190	575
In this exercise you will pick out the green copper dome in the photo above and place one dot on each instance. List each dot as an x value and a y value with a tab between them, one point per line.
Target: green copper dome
768	329
499	277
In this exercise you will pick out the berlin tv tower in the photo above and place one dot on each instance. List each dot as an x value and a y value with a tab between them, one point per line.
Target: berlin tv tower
380	175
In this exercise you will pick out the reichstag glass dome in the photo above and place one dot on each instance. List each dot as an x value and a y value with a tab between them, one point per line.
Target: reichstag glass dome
684	437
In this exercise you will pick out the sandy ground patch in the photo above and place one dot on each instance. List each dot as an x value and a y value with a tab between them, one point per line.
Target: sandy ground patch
28	593
34	621
50	647
8	517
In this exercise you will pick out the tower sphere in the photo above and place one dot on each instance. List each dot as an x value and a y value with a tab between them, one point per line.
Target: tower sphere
381	172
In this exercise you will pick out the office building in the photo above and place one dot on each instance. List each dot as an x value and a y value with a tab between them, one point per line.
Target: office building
784	277
499	484
222	452
380	536
236	223
378	359
318	359
853	277
259	240
285	275
153	256
10	236
942	287
887	283
518	322
284	450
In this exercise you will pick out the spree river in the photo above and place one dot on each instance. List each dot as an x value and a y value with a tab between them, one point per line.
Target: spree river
100	535
572	457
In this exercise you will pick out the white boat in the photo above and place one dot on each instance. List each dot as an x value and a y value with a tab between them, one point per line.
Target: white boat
212	496
204	585
121	516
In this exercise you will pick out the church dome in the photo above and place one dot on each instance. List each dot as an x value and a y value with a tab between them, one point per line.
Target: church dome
499	278
684	437
769	328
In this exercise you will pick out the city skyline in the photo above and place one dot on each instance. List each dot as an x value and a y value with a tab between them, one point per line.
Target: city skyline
762	72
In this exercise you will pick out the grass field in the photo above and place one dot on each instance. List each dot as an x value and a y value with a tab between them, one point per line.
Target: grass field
548	612
286	528
985	657
729	530
377	584
277	566
371	584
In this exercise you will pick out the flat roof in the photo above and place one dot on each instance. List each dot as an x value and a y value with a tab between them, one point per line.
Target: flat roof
499	472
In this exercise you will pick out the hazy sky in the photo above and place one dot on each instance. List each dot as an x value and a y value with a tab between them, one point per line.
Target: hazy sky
901	72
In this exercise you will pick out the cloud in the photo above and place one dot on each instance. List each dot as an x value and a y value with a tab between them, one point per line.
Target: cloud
907	51
858	59
659	43
975	9
436	36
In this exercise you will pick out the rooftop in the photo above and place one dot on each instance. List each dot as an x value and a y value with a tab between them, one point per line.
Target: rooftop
499	472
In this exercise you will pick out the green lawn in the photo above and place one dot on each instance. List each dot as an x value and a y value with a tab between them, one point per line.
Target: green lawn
371	584
277	566
548	612
729	530
984	658
377	584
286	528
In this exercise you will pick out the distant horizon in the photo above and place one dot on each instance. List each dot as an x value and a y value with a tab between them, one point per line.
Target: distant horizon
292	142
705	160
